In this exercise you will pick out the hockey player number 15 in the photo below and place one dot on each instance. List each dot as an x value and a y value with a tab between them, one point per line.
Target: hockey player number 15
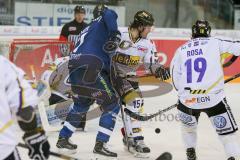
199	64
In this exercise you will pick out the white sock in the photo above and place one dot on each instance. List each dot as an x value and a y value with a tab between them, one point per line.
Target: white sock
231	146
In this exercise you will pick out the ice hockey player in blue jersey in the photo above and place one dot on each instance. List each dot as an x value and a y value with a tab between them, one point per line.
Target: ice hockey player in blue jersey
89	67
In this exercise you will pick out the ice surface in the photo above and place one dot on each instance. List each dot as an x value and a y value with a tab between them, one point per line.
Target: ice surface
169	139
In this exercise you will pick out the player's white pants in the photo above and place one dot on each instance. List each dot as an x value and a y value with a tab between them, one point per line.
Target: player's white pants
135	104
222	120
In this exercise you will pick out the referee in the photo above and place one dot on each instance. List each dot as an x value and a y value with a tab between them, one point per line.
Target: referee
71	30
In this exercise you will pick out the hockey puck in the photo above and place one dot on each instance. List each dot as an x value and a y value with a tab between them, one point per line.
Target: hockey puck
157	130
165	156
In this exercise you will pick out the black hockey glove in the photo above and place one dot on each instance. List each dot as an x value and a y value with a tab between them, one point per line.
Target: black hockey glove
162	73
37	144
113	42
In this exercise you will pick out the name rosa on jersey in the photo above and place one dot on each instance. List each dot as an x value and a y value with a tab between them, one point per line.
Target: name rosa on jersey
194	52
126	59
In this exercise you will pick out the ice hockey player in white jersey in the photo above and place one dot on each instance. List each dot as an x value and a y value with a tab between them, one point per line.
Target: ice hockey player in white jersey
56	76
135	50
198	77
18	101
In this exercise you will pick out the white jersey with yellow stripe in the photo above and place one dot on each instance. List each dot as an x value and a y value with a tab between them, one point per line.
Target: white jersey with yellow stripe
130	55
15	93
197	71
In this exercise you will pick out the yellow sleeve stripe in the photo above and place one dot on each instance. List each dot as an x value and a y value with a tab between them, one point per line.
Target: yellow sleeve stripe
6	126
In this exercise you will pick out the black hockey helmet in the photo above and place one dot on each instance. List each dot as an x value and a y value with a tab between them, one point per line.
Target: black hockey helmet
98	10
201	29
79	9
143	18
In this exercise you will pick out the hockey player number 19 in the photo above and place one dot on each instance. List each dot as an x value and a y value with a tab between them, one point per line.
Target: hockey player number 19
199	64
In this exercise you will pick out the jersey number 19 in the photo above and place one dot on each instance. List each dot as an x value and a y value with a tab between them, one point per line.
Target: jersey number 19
198	65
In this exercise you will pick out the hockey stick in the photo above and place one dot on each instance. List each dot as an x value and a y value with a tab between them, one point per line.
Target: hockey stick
44	119
232	78
52	153
125	136
146	118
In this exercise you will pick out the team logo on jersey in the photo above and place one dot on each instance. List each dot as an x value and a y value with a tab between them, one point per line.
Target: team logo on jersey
142	48
194	100
72	28
126	59
220	121
190	101
125	45
196	43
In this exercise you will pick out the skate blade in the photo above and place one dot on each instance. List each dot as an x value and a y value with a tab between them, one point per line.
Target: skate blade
136	154
102	157
66	151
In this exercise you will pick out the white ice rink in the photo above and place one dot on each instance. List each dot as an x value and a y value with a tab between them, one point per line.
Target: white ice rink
169	139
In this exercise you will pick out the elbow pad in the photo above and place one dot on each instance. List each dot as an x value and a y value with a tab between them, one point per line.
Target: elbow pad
27	119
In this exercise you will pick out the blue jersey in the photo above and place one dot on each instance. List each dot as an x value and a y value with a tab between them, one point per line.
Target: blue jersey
95	36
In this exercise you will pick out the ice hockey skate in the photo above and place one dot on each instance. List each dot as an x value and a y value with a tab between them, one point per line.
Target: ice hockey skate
137	148
101	152
65	146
